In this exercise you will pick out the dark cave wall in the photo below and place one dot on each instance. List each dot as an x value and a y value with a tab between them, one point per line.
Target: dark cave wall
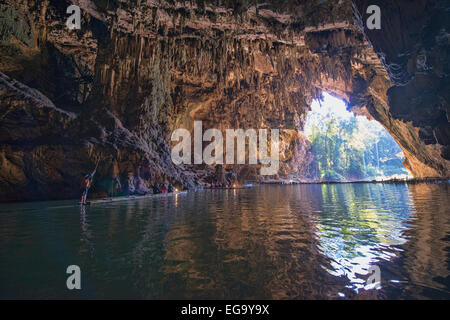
413	45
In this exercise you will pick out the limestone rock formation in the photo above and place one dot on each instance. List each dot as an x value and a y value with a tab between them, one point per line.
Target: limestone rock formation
413	46
137	70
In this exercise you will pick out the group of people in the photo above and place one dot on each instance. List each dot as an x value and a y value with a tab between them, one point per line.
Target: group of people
163	188
224	182
219	185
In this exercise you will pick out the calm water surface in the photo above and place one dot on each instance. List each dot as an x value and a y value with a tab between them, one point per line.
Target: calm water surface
277	242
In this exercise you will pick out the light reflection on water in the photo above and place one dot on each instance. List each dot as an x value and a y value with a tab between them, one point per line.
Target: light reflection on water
279	242
360	226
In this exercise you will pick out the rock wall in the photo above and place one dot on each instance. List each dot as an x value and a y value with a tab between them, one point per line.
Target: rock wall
413	45
136	70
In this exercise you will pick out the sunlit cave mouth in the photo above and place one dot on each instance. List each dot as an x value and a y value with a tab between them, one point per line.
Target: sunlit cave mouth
347	147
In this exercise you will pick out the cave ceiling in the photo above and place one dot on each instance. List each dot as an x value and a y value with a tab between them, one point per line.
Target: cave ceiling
137	70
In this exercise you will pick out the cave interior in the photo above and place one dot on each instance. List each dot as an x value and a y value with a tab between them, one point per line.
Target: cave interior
135	71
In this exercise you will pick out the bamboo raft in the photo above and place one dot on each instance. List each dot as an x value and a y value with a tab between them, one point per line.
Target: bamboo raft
229	188
128	198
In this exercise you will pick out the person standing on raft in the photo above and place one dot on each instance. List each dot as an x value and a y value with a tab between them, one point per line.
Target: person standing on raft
86	184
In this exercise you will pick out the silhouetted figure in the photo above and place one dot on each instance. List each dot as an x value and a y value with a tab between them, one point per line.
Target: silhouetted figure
116	186
86	184
156	190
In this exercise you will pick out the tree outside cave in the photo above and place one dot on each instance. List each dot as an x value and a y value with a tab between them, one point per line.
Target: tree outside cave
348	147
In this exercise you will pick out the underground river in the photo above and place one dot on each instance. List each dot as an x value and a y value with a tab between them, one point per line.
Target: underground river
267	242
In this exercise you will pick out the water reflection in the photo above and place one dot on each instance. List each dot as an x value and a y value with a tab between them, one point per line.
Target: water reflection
423	267
279	242
360	224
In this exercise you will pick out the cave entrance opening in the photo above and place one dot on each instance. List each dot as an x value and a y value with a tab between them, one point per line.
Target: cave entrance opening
347	147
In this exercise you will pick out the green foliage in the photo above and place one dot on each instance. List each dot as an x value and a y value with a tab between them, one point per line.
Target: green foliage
353	148
330	175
